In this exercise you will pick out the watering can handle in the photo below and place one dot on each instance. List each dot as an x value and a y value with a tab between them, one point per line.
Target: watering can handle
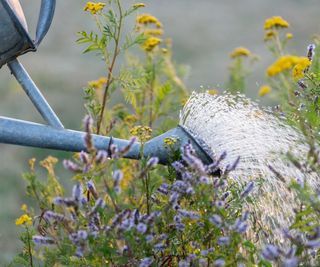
45	19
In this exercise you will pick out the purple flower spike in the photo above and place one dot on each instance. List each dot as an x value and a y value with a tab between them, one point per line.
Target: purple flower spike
71	166
219	263
141	228
41	240
84	157
311	48
102	156
224	241
77	192
92	189
183	263
152	162
291	262
117	176
271	252
50	215
313	244
216	220
146	262
247	190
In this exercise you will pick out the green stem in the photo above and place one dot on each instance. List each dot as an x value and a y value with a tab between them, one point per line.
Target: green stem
287	86
29	248
311	80
278	45
111	67
152	81
146	178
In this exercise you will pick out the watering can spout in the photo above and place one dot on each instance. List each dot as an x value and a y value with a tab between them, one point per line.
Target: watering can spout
25	133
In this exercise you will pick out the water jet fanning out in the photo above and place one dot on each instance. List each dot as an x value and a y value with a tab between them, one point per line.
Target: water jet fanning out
239	127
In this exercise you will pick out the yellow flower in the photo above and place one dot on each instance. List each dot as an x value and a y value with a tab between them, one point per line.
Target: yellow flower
269	35
283	63
153	32
130	119
142	132
212	92
151	43
31	162
164	50
138	5
49	163
275	22
148	19
128	175
98	84
24	207
264	90
300	68
24	219
289	35
169	141
240	52
93	8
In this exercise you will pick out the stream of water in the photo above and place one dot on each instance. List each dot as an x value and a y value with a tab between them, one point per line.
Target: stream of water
238	126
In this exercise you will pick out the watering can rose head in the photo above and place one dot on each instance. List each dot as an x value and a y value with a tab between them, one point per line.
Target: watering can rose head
14	36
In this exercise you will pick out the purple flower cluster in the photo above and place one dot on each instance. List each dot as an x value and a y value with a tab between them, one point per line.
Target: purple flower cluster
193	202
289	257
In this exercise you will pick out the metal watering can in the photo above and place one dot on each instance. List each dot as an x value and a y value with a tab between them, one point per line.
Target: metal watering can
15	41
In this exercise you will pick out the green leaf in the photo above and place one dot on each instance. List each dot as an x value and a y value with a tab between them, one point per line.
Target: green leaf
131	41
90	48
161	93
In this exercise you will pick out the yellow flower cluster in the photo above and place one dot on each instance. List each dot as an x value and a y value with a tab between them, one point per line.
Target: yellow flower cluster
240	52
300	68
93	8
151	43
283	63
144	22
98	84
24	219
264	90
169	141
148	19
142	132
49	163
275	22
138	5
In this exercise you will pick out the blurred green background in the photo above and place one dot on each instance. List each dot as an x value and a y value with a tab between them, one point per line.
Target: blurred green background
203	33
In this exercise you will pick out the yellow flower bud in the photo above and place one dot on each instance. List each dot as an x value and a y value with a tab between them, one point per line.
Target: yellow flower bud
264	90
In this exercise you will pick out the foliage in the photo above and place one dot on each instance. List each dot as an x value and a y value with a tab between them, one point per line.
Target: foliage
129	213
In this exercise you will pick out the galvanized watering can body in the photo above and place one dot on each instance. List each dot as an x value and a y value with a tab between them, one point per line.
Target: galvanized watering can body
15	41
